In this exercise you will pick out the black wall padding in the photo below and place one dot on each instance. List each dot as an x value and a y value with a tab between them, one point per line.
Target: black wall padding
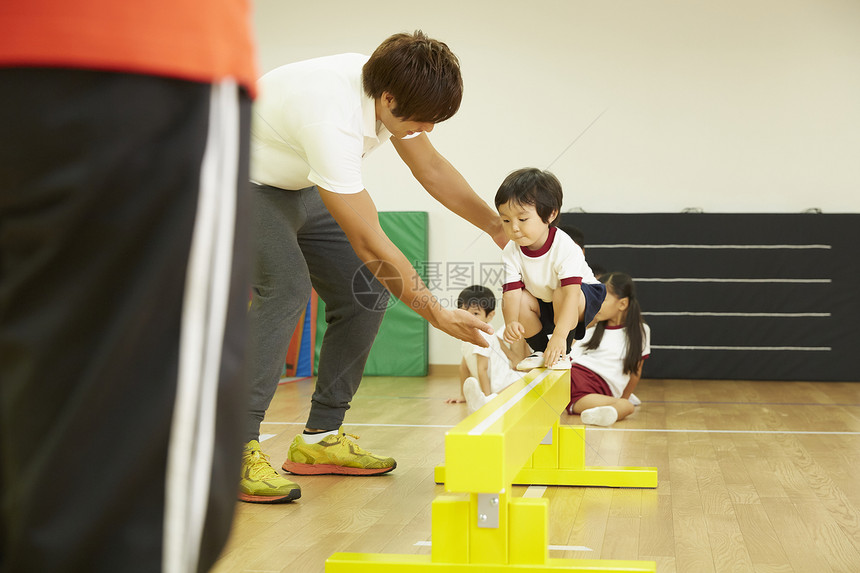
739	296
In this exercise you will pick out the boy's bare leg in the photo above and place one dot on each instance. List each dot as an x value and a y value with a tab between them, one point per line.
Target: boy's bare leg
529	314
464	373
516	351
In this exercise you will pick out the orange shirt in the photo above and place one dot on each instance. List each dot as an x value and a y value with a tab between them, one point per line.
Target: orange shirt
197	40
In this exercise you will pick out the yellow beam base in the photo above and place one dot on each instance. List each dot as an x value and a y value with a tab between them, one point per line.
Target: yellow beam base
382	562
597	476
589	476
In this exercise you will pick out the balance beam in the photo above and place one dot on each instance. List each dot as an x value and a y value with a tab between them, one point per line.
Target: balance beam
478	526
507	429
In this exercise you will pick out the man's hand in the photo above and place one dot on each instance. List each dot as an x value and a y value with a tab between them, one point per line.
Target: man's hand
514	331
460	324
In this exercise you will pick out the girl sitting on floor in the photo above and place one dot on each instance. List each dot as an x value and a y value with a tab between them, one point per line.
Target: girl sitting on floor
607	362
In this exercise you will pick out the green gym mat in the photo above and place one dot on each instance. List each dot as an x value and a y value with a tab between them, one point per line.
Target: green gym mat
401	348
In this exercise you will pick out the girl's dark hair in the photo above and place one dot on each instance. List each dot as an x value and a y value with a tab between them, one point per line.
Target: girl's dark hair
477	295
421	73
531	186
621	285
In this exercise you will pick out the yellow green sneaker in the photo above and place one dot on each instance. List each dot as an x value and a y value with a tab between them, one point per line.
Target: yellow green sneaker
337	454
260	482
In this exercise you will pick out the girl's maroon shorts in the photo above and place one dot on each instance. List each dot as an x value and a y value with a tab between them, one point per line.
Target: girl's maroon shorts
583	382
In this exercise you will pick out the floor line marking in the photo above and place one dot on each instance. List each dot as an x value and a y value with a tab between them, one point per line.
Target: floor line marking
749	403
380	397
731	280
667	430
771	432
688	246
535	491
740	314
745	348
370	425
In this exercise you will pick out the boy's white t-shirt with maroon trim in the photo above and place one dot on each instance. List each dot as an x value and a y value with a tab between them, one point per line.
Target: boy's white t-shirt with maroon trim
500	370
558	263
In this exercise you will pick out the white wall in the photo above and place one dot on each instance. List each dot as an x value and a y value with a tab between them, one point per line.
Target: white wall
725	105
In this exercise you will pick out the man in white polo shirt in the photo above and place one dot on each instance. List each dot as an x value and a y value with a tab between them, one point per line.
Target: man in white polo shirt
317	226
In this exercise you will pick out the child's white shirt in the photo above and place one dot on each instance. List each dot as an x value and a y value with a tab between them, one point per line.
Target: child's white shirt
607	360
499	369
559	262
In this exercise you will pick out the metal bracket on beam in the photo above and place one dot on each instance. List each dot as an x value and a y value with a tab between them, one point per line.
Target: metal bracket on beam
488	510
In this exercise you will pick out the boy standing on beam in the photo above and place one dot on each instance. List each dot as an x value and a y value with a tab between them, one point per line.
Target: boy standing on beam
550	294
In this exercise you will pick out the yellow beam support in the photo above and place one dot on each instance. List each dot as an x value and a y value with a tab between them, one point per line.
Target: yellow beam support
589	476
449	516
571	447
485	451
563	463
529	530
482	529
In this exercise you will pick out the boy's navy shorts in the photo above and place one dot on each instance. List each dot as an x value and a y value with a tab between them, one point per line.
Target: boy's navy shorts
594	295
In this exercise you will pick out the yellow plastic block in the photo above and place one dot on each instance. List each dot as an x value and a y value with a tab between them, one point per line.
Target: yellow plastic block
485	451
571	447
407	563
529	525
450	529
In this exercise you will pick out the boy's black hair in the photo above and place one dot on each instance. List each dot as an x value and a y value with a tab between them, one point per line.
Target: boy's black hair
531	186
477	295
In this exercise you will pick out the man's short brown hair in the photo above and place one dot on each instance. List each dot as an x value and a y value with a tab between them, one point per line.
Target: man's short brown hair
421	73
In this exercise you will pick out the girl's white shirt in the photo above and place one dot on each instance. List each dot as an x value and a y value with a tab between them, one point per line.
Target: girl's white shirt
607	360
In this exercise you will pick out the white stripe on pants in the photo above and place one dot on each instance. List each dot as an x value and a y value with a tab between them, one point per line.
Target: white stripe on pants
203	321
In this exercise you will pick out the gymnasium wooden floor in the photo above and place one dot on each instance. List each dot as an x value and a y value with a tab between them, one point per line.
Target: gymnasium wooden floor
753	476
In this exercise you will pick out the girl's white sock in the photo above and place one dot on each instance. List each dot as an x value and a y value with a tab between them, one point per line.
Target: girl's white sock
599	416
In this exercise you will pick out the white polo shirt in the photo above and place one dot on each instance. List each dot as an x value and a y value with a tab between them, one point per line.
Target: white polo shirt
312	125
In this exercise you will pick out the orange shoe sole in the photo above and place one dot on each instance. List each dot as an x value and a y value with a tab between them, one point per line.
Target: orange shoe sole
292	496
